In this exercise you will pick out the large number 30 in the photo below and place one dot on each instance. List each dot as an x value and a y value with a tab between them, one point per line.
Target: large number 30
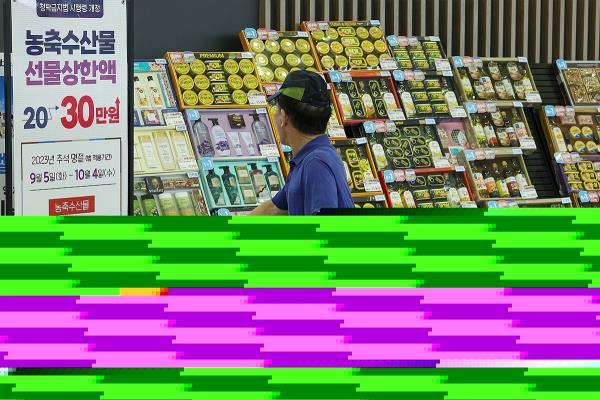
78	112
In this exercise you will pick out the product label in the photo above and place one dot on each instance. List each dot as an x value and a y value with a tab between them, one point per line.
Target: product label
396	115
529	192
388	64
458	112
441	162
527	143
443	65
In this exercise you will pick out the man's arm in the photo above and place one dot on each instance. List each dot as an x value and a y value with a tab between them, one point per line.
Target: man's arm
268	208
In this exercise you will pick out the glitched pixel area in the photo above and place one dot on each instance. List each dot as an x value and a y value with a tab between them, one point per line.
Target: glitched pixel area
460	304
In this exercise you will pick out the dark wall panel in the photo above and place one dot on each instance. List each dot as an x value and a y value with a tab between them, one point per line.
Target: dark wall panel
208	25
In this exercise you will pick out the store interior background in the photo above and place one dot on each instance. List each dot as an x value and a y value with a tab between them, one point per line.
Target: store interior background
542	30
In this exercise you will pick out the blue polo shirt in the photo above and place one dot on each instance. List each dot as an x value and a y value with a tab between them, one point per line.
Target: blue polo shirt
317	181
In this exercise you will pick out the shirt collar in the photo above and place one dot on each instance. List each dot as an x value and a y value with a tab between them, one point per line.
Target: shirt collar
308	148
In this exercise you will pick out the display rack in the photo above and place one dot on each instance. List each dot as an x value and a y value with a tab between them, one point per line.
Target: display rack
492	180
276	54
500	80
580	81
424	53
365	96
215	80
166	173
349	45
361	173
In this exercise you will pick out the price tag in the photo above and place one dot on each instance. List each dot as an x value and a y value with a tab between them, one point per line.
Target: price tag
443	65
223	212
181	128
393	41
372	185
523	59
246	55
380	127
550	111
379	197
570	112
250	33
559	158
269	150
419	75
261	110
361	140
459	168
399	175
429	121
469	204
257	99
398	75
575	157
492	204
584	197
471	107
594	197
458	61
388	176
470	155
346	77
517	104
527	143
302	34
529	192
336	131
410	175
193	175
490	154
161	61
561	64
491	107
458	112
176	118
396	115
517	152
385	74
189	57
533	97
188	164
375	22
441	162
207	163
447	74
335	76
388	63
285	148
566	200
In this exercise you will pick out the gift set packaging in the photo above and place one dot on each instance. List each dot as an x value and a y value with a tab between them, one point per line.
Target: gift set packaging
399	146
370	203
365	96
173	195
430	189
349	45
496	79
581	80
162	150
276	54
571	131
414	52
583	176
154	100
231	133
215	80
358	164
239	184
427	95
498	175
491	126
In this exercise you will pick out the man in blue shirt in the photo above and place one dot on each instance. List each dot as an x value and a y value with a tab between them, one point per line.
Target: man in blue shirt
317	178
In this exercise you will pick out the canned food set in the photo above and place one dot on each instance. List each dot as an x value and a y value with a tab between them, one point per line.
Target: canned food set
405	119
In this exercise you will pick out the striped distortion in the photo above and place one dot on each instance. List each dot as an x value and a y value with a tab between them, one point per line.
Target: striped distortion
542	30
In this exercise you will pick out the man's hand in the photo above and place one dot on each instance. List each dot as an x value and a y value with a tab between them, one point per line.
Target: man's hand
268	208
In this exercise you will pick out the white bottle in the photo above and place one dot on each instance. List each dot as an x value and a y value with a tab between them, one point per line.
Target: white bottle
219	140
140	93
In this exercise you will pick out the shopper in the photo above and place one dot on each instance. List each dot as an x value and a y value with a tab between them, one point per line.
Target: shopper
317	178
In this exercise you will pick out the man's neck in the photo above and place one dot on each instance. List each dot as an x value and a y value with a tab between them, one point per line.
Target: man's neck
299	140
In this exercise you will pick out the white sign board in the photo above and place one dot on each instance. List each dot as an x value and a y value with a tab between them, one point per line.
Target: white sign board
70	80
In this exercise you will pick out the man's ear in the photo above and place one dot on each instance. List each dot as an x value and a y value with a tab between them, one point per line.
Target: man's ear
283	117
